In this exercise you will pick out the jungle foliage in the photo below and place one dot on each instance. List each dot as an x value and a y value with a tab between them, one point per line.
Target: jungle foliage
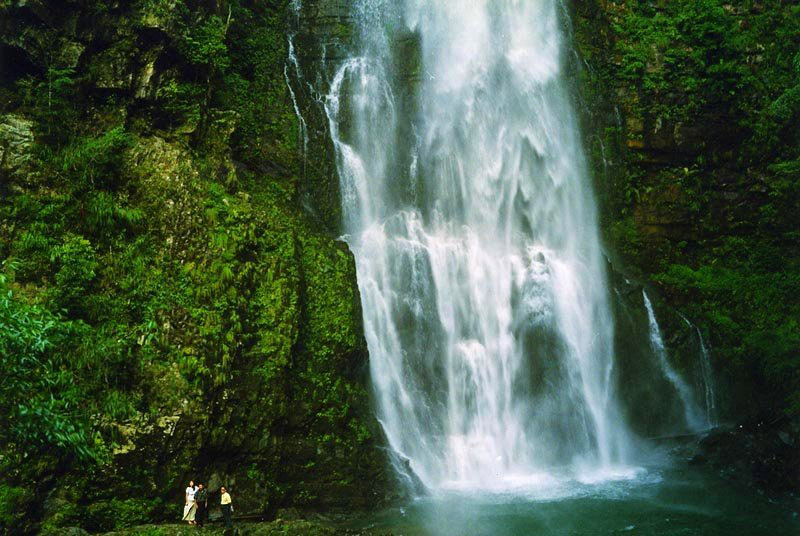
702	179
153	258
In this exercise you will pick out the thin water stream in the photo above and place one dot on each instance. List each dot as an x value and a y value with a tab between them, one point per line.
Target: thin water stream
695	421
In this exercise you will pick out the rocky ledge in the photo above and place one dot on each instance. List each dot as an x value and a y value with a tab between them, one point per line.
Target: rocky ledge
274	528
760	453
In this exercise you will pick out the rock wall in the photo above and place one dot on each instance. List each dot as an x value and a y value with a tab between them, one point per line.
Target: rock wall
690	115
218	336
683	103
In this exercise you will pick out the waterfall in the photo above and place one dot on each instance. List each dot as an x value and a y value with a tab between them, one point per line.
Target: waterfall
706	373
469	209
292	59
301	122
694	421
708	382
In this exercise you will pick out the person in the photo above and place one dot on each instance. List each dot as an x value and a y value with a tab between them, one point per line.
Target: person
201	500
226	505
189	507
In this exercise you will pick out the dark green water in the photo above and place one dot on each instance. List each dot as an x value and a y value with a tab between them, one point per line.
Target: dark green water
663	501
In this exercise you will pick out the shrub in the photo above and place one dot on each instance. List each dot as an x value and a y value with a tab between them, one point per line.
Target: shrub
76	264
40	403
14	503
118	514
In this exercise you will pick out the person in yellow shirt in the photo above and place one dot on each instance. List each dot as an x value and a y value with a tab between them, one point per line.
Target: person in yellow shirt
227	507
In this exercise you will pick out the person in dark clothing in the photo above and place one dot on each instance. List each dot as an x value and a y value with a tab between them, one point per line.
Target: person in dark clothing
226	505
201	500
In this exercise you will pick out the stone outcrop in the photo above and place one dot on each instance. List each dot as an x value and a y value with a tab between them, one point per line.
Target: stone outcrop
759	453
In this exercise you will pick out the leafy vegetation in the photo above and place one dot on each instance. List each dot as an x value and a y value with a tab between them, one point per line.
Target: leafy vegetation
39	398
164	311
703	183
13	501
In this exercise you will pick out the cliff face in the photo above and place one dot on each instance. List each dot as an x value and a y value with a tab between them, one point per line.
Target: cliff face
195	321
693	133
691	117
175	303
690	114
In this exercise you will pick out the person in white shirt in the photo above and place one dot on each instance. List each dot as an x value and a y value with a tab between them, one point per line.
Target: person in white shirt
189	507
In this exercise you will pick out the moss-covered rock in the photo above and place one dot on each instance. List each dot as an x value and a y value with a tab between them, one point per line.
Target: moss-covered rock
276	528
64	531
695	184
15	503
214	322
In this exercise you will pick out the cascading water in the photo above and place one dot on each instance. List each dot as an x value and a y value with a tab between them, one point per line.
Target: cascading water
694	419
468	208
708	381
291	59
471	217
302	126
706	374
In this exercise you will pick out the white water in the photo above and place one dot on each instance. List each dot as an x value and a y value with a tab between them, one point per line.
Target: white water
708	382
472	220
301	122
691	411
707	375
292	59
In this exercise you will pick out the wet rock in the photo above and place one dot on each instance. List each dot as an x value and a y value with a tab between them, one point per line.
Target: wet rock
325	31
146	85
757	453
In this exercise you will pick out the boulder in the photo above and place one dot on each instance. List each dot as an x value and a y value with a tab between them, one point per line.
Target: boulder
756	453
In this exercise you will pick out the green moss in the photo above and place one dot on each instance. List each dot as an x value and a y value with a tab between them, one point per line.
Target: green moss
194	319
14	503
694	114
626	238
118	513
65	514
332	301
